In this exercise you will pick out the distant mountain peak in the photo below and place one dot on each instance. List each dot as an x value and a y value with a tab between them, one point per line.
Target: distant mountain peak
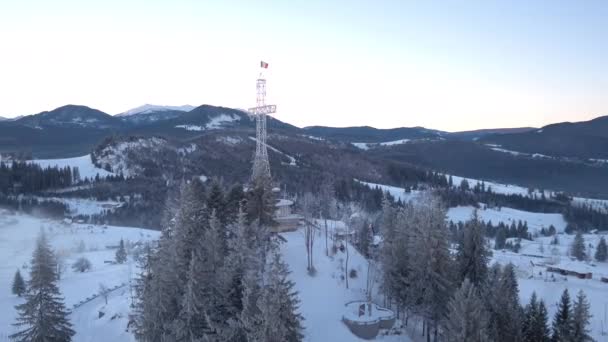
150	108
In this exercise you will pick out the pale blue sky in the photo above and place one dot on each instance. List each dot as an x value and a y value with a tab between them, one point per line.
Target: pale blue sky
451	65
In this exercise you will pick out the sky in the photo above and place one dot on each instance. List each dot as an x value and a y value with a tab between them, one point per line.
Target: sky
449	65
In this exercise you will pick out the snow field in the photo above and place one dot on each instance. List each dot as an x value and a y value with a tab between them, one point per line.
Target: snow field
536	221
533	276
18	234
85	165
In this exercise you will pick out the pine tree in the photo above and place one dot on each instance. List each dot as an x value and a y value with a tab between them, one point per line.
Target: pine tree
511	317
534	328
217	202
581	319
489	294
601	253
193	323
501	297
466	317
430	274
578	247
43	315
562	322
121	253
278	305
473	256
501	238
18	287
261	205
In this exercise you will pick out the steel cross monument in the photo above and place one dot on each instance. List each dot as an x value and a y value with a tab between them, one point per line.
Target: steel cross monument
261	166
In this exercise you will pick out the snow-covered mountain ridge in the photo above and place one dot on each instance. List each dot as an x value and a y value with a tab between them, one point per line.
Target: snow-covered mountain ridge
150	108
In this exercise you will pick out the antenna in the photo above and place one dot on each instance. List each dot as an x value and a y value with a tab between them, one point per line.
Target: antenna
261	166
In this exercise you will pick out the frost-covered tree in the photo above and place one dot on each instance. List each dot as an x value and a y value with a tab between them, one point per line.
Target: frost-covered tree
501	297
578	247
82	264
192	323
18	287
430	275
309	206
466	319
601	253
261	204
534	327
581	317
278	305
121	253
43	317
510	319
501	238
562	322
473	256
397	227
327	206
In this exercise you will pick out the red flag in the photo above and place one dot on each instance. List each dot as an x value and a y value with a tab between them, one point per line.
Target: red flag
264	65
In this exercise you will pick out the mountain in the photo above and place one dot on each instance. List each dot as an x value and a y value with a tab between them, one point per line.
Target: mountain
581	140
366	134
479	133
70	116
149	108
3	118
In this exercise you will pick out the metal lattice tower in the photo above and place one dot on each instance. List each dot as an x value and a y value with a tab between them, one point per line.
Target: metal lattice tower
261	166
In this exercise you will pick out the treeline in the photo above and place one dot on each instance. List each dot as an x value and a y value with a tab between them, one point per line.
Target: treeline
25	177
216	273
34	206
459	296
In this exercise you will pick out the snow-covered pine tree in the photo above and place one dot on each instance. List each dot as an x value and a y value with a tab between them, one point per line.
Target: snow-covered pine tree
327	204
601	253
562	322
430	277
501	238
473	256
510	312
216	201
394	255
530	314
261	204
578	247
489	291
534	327
121	253
543	333
581	317
192	323
250	319
278	305
466	319
18	287
43	316
191	221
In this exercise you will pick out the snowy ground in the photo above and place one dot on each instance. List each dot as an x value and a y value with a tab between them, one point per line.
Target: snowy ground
85	165
324	295
536	221
17	239
533	276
